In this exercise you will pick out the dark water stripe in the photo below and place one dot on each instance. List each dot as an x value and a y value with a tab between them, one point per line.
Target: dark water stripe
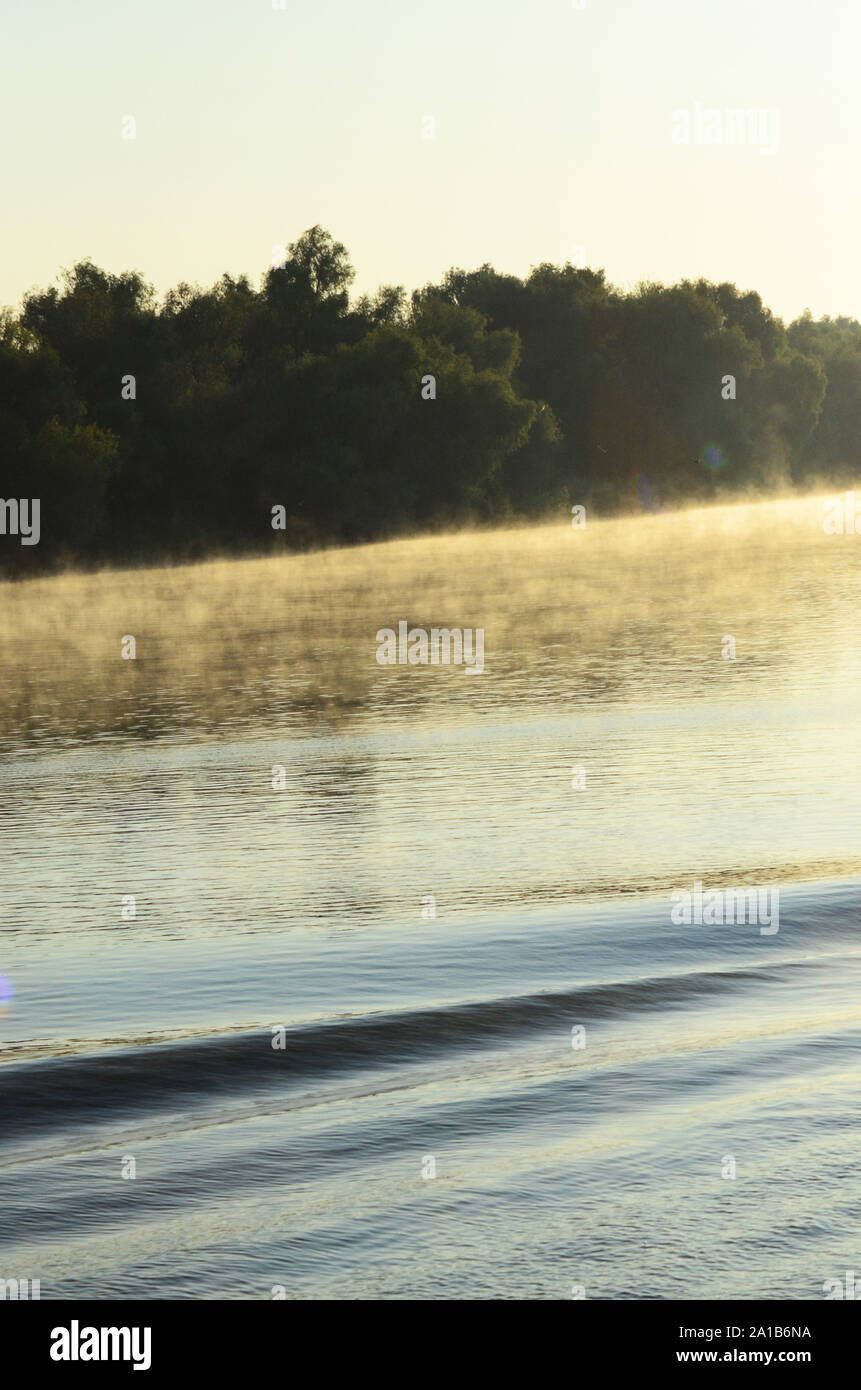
35	1096
544	1107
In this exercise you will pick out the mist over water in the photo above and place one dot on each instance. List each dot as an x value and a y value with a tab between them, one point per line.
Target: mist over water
445	1036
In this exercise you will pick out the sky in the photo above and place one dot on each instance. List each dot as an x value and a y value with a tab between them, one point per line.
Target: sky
437	134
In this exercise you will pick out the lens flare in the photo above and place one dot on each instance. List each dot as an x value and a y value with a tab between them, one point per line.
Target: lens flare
649	499
714	457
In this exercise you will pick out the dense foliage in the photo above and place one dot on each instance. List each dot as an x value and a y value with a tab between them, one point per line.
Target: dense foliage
550	390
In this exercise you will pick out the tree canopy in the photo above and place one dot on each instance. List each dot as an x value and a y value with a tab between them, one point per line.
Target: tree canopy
171	430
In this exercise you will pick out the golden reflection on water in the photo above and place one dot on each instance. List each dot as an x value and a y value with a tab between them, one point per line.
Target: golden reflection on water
626	611
603	653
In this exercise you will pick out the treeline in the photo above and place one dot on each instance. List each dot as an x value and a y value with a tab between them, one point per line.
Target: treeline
153	430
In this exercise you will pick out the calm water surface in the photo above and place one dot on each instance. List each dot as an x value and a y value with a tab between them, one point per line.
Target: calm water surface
416	1043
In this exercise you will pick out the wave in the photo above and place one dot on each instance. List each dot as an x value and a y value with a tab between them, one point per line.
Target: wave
112	1085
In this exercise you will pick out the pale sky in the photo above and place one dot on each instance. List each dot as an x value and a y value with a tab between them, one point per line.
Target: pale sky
553	130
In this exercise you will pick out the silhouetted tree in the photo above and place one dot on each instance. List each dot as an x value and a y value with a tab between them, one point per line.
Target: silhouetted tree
547	390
